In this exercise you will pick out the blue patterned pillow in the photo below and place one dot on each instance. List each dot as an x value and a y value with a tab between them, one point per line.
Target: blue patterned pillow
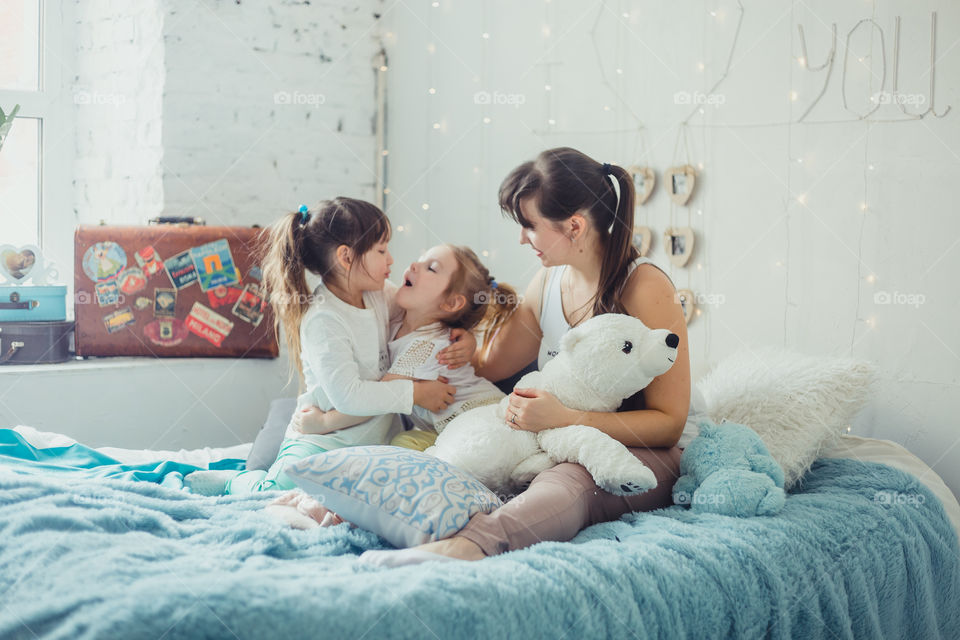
406	497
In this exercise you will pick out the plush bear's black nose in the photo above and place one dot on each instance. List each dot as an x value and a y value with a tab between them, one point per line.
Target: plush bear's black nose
673	340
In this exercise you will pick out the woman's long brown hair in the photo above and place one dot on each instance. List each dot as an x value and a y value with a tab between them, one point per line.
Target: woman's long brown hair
564	181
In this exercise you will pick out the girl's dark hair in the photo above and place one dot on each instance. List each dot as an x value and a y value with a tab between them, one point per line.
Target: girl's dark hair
564	181
298	242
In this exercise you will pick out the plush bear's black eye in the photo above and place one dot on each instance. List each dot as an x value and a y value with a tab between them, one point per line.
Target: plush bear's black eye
627	346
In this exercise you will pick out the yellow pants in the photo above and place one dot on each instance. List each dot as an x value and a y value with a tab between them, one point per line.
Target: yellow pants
415	439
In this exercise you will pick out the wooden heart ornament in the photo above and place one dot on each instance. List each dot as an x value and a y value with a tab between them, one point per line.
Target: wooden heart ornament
680	182
644	179
16	264
641	239
686	299
678	243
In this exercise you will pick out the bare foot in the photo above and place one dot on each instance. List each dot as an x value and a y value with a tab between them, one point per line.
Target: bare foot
305	506
455	547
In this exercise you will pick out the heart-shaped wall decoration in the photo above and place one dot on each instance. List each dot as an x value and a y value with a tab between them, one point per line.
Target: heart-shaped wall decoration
678	243
17	263
644	179
680	182
641	239
686	299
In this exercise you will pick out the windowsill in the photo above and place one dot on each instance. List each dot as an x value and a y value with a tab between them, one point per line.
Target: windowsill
112	363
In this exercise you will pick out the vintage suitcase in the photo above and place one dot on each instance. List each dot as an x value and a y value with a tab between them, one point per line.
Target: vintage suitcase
34	342
171	290
33	303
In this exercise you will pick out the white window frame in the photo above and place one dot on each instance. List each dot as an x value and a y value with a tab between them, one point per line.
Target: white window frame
53	104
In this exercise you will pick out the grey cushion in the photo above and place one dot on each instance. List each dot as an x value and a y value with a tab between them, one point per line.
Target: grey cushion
267	445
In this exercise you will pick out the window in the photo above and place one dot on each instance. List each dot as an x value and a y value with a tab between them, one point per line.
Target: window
37	156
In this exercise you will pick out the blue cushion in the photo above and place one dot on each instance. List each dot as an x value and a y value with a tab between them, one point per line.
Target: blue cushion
267	444
406	497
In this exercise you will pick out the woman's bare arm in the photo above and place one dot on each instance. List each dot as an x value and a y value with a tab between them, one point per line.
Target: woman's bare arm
517	342
666	400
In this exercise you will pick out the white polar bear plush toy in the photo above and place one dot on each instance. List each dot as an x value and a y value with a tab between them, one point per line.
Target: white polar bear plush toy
601	362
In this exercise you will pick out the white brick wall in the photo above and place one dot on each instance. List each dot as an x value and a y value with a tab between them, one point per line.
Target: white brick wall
235	112
118	98
267	106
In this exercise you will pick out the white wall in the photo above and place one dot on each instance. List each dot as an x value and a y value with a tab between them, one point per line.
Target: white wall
233	112
785	254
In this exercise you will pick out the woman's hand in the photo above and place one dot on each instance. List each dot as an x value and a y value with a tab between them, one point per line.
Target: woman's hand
460	350
433	395
536	410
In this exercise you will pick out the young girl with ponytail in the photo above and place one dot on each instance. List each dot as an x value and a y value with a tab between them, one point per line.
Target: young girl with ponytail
336	335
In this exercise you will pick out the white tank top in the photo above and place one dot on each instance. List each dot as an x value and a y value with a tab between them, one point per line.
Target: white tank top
552	321
554	325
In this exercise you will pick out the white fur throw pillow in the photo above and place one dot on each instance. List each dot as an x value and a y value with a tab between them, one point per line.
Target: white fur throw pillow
798	404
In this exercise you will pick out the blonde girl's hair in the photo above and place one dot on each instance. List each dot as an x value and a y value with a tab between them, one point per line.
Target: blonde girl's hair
308	240
489	303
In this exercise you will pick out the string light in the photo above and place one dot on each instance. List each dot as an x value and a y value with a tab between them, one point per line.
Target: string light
425	206
486	120
486	36
400	228
863	206
802	198
871	278
431	91
793	96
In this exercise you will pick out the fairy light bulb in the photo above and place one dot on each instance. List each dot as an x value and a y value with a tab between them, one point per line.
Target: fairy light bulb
486	120
385	152
802	198
871	278
793	96
431	91
863	206
400	228
425	206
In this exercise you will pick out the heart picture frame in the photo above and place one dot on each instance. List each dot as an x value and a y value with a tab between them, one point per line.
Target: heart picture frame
678	243
680	182
686	298
644	180
17	263
642	237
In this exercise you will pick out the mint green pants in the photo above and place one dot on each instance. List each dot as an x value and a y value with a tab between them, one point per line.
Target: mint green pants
274	478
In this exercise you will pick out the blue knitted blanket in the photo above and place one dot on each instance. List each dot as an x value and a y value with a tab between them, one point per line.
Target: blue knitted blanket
860	550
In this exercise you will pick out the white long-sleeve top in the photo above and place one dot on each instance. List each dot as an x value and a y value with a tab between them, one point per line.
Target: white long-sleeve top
344	354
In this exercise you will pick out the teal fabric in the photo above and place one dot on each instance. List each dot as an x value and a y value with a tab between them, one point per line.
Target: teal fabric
860	550
80	461
275	478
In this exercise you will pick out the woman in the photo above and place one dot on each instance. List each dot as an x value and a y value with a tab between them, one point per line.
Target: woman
581	228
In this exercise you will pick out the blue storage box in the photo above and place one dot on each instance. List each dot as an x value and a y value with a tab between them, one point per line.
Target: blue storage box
33	303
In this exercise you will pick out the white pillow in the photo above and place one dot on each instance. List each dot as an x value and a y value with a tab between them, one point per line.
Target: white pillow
798	404
404	496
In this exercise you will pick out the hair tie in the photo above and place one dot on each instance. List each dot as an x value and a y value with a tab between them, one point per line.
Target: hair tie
607	169
493	283
304	213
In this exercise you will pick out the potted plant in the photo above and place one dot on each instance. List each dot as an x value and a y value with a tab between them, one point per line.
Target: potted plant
6	121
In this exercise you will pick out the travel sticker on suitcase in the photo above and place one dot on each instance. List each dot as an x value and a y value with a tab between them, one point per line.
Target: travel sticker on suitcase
208	324
104	260
214	265
181	270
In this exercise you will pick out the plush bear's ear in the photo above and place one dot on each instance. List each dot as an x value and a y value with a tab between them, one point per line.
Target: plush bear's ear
572	337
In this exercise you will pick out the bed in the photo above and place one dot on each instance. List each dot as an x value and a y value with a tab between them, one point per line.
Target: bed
105	543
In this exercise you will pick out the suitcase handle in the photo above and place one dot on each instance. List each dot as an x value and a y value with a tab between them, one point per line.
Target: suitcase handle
187	220
15	303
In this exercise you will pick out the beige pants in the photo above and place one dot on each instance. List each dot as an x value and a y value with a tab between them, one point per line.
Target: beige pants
563	500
